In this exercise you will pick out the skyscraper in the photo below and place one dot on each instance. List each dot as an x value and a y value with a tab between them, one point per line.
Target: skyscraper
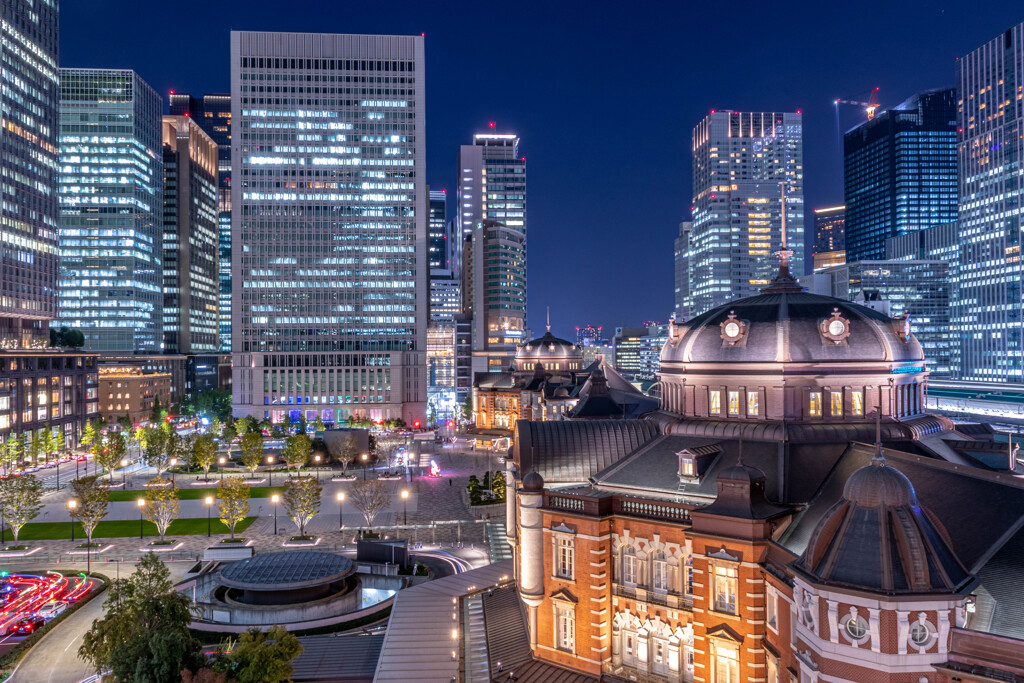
445	301
437	238
213	114
190	276
111	204
987	310
329	226
900	172
829	237
740	162
682	270
492	212
40	388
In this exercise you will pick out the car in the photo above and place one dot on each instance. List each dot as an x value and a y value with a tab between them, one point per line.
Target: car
52	609
26	626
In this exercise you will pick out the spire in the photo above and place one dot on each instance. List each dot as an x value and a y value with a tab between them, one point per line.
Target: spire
784	282
878	458
549	319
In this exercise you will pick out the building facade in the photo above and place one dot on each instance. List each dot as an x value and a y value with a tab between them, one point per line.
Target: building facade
746	532
682	270
329	227
745	166
987	313
129	391
213	114
900	172
492	216
191	287
441	396
111	203
637	352
829	237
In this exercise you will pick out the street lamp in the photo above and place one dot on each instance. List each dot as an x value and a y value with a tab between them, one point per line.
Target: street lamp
405	507
270	468
366	457
142	505
209	506
72	504
174	461
273	499
316	459
220	463
341	510
124	469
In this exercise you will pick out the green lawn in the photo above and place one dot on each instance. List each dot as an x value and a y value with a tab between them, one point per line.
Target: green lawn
122	528
194	493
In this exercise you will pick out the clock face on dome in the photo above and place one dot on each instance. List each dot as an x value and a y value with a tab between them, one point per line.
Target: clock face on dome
836	327
732	329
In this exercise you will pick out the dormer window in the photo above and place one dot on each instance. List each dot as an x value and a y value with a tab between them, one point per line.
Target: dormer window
694	462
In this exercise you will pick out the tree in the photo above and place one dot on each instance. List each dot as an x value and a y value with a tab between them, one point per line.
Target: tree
35	446
161	504
173	448
66	338
252	451
244	425
10	452
21	500
301	500
91	503
144	635
467	409
204	453
318	424
498	485
50	444
260	656
233	505
370	497
297	451
216	426
156	415
348	452
89	434
156	447
111	453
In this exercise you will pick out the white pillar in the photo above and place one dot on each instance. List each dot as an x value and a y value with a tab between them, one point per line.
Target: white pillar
531	553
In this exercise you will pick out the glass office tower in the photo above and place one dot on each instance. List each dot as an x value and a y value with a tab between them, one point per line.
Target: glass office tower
492	201
900	172
213	114
829	237
988	307
111	205
740	162
329	226
191	285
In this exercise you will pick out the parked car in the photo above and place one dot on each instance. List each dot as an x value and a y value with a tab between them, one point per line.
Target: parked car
26	626
52	609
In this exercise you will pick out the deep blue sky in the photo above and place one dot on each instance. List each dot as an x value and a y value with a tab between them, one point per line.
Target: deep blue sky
604	96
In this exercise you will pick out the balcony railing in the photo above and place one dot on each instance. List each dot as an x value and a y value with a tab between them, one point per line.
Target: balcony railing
670	600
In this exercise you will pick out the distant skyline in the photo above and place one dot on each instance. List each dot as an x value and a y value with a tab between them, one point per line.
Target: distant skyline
603	95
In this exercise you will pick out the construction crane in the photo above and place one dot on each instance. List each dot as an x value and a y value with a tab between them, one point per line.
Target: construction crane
870	106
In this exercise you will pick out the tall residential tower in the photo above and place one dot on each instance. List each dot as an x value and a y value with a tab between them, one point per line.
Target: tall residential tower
111	205
743	165
329	226
989	304
492	213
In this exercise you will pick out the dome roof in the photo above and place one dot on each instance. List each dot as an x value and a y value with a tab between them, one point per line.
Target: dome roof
791	325
544	348
877	538
533	481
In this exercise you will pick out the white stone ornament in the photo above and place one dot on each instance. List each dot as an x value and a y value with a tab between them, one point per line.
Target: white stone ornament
835	329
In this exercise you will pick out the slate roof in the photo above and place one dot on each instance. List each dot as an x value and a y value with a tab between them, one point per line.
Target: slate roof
1001	577
338	659
570	451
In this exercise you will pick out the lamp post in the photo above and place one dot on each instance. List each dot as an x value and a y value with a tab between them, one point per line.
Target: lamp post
316	459
124	470
405	507
341	510
270	468
174	461
220	463
72	504
209	506
142	505
366	457
273	499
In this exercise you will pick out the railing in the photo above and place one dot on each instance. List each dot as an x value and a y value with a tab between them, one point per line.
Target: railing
659	510
566	503
671	600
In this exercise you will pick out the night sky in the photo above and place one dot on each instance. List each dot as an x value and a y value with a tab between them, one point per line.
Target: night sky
603	95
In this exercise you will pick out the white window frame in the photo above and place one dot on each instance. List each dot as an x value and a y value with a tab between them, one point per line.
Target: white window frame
564	564
753	403
771	609
565	627
629	565
715	402
659	572
724	575
727	658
